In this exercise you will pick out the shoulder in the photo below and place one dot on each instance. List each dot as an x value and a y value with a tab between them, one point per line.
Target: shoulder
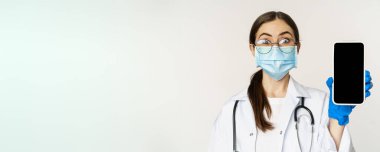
316	93
240	96
315	98
318	97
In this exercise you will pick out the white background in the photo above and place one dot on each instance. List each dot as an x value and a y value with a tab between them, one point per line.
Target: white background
151	76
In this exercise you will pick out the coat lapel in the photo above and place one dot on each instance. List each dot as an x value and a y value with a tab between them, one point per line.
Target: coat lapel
294	91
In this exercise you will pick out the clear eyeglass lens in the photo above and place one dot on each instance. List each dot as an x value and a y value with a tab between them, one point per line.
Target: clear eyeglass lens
263	43
286	42
286	45
264	46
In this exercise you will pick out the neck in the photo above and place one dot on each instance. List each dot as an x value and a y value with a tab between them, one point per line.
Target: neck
274	88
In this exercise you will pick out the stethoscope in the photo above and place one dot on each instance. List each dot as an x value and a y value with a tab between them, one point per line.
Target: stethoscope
301	105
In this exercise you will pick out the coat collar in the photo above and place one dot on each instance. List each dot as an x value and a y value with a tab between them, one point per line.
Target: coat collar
294	90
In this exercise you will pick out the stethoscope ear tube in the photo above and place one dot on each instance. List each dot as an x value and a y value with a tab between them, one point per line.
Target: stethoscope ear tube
234	127
302	105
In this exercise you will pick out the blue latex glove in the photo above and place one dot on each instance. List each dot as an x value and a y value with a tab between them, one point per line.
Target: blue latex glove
342	112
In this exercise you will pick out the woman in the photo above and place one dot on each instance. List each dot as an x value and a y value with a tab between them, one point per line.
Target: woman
265	111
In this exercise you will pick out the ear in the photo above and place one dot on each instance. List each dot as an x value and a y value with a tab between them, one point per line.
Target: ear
298	47
252	48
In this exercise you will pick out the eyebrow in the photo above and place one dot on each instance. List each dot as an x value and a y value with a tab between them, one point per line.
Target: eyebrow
282	33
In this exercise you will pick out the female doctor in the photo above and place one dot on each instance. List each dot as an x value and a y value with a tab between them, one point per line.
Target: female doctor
276	113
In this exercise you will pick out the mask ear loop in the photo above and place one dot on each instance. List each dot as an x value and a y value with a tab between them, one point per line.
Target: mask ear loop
295	56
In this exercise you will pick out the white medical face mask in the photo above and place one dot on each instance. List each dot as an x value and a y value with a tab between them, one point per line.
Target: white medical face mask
276	61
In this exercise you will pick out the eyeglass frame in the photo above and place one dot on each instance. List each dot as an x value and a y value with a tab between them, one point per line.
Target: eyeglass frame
278	44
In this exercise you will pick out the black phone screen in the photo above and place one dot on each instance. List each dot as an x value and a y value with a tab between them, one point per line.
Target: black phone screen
348	83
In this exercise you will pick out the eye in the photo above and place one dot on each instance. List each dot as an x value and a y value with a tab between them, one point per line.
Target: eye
263	41
284	41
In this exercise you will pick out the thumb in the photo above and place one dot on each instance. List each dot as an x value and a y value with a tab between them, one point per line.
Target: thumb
329	82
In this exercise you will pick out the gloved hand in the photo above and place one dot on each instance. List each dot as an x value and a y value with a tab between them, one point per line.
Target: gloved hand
342	112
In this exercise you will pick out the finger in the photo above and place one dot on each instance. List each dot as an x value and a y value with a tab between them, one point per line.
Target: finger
368	86
329	82
368	78
367	94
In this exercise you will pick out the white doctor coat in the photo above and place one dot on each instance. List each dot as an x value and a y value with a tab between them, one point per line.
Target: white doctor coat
221	139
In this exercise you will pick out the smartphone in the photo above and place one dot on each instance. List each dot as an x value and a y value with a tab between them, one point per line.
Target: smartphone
349	74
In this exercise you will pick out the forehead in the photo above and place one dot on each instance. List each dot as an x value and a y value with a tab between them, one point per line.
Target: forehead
274	28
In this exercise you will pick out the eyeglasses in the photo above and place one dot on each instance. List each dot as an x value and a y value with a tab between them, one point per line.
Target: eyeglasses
265	46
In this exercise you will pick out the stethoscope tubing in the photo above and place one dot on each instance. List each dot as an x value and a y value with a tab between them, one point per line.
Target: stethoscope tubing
301	105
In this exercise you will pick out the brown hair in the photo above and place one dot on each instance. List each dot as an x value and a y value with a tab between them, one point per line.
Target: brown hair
256	93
